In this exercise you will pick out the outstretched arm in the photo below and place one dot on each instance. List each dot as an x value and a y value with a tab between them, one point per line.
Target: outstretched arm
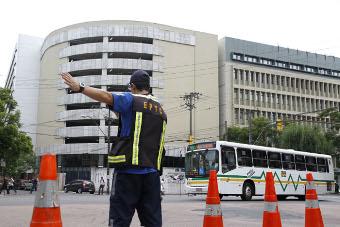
94	93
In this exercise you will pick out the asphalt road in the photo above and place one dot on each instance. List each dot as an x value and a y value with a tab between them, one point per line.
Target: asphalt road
179	211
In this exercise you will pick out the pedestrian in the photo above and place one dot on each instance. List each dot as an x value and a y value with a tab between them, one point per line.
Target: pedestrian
101	186
11	185
34	182
138	152
4	187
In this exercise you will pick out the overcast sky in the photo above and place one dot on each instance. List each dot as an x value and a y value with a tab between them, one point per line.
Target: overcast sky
300	24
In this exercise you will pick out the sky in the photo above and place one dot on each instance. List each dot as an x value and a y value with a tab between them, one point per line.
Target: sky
308	25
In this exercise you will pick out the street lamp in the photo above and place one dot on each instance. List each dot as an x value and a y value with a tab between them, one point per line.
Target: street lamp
108	146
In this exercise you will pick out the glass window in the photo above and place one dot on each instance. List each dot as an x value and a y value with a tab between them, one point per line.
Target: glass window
199	163
311	163
228	158
260	158
274	160
300	162
288	161
244	157
322	165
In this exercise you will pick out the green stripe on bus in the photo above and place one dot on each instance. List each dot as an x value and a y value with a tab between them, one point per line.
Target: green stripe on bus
263	176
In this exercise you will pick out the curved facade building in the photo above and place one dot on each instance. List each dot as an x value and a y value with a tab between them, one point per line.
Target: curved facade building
103	54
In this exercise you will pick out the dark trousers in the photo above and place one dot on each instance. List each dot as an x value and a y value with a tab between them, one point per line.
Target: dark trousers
135	191
101	188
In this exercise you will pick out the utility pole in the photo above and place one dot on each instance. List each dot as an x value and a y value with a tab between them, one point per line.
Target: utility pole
225	131
190	104
108	152
250	139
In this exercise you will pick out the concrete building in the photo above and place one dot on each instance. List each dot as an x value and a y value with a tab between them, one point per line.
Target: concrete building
274	82
103	54
23	80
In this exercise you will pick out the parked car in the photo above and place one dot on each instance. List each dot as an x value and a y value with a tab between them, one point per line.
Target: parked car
23	184
80	186
28	185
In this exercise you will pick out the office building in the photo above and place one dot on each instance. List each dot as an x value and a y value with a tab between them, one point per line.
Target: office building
259	80
23	80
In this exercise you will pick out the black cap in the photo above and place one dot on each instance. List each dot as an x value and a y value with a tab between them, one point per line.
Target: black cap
141	79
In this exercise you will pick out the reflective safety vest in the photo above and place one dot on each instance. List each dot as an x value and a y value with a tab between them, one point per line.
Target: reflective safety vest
145	145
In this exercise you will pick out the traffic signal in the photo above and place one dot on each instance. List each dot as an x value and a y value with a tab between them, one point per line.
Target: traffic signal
190	140
279	125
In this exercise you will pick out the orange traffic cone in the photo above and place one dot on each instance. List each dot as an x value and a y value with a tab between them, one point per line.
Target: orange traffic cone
271	214
213	212
46	210
313	212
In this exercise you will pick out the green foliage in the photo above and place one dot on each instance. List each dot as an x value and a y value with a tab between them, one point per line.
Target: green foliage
305	138
237	134
334	116
294	136
15	146
262	132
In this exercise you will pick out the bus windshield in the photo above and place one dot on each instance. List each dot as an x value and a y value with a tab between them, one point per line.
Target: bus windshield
199	163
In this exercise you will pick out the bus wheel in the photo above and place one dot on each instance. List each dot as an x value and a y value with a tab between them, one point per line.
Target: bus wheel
221	196
247	191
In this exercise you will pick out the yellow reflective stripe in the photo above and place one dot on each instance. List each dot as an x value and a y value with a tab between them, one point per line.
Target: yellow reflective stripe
117	159
135	148
160	152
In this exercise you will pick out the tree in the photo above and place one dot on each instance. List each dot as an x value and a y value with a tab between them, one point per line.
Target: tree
237	134
15	146
333	133
305	138
262	130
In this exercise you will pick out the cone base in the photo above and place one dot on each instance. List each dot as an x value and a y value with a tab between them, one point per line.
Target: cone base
271	219
313	218
210	221
42	217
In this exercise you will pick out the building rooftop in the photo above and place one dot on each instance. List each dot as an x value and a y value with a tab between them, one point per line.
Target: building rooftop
281	57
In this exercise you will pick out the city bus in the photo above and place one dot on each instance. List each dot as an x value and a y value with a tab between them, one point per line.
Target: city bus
241	169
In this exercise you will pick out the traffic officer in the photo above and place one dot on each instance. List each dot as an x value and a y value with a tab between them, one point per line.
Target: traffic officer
138	152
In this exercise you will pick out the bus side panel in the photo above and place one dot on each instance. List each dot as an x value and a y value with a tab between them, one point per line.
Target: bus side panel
228	186
289	182
324	182
259	179
231	183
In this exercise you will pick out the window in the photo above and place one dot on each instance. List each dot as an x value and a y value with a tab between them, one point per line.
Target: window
322	165
311	163
228	159
244	157
235	74
288	161
260	158
300	162
274	160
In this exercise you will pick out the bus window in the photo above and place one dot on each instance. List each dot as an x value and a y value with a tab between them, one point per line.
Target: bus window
288	161
274	160
199	163
300	162
311	163
228	158
260	158
244	157
322	165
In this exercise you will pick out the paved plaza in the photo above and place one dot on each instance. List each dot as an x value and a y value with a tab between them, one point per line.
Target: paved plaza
85	210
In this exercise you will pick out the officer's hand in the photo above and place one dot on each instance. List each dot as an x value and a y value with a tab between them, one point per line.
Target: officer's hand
70	81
